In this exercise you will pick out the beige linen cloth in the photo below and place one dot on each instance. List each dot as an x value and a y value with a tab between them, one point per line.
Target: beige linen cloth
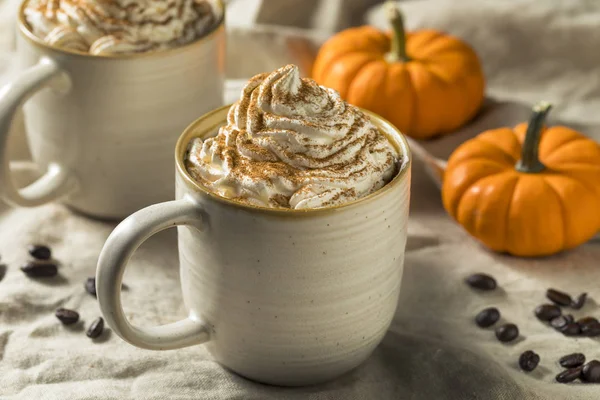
531	50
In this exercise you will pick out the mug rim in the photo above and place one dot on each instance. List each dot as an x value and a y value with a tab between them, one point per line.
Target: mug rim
189	133
27	33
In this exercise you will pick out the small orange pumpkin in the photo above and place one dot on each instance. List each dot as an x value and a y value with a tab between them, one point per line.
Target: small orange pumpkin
425	82
528	191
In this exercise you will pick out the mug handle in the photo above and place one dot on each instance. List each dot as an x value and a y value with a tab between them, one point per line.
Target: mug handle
118	249
57	180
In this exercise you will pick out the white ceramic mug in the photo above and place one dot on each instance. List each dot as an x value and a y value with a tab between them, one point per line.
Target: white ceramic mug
102	127
286	297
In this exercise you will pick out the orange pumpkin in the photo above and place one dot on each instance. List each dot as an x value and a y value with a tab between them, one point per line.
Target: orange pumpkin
528	191
425	82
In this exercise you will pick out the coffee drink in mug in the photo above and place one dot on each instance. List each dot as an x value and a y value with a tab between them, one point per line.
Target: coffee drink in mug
107	86
119	26
313	151
292	211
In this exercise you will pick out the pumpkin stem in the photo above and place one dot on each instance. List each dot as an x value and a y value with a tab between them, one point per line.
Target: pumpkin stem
530	162
398	45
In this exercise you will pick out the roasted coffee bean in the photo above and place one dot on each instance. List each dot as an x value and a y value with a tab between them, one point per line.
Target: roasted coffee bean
90	286
591	372
559	322
547	312
558	297
95	328
507	332
569	318
67	317
591	330
39	269
39	251
587	321
579	302
487	317
569	375
481	282
3	268
572	329
572	360
529	360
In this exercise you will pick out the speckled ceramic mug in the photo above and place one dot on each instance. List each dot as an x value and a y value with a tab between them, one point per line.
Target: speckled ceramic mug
102	127
286	297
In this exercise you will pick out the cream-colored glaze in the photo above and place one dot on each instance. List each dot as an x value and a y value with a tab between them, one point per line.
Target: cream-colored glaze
285	297
103	127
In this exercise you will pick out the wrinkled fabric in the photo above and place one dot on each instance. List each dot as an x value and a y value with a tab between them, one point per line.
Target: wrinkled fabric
531	50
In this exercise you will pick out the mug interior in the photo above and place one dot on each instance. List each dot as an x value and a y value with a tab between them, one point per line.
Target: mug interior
208	125
26	32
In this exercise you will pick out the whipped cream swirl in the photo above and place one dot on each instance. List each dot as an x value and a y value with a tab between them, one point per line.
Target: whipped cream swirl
103	27
290	143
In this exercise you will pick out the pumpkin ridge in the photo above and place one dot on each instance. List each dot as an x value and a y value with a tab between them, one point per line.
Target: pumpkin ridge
435	70
573	175
426	48
508	210
446	87
351	80
449	86
509	156
478	158
334	47
366	59
505	164
460	195
413	95
563	145
511	182
555	137
427	96
356	85
450	49
566	166
581	182
563	212
398	86
418	41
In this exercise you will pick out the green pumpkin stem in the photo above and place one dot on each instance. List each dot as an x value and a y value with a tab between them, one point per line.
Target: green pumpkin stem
530	162
398	46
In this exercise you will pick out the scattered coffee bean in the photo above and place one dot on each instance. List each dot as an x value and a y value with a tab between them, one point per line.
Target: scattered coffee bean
529	360
572	360
90	286
569	375
572	329
587	321
558	297
591	330
559	322
591	372
481	282
39	251
569	318
95	328
67	317
487	317
507	332
39	269
547	312
579	302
